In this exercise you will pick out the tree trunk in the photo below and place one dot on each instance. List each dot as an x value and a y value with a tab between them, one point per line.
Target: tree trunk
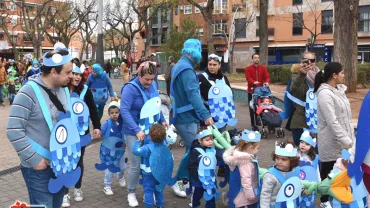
87	51
210	46
82	49
15	52
263	32
93	53
116	51
345	39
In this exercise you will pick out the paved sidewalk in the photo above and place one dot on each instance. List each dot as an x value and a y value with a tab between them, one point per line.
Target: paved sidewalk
13	187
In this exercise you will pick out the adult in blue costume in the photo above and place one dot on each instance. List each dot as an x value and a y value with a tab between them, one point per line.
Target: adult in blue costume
100	85
187	108
29	128
76	86
35	69
135	94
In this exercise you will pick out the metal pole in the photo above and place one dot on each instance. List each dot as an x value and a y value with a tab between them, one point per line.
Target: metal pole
99	47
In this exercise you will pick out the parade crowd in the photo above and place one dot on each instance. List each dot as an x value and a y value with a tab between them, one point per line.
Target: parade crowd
49	127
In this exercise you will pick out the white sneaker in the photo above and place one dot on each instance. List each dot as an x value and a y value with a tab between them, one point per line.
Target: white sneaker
122	182
225	199
179	189
66	202
132	201
325	204
108	191
78	195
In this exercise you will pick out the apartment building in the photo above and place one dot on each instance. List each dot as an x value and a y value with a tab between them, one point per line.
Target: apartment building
288	38
13	16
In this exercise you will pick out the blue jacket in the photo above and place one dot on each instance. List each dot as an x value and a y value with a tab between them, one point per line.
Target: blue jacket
131	103
91	80
115	131
187	91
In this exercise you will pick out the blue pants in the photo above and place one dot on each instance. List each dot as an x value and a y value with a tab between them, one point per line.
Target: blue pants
149	183
1	93
109	175
11	98
37	185
198	195
187	133
100	109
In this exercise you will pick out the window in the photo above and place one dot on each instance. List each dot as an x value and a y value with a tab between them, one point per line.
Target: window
327	22
177	11
196	10
27	38
292	54
2	6
163	35
220	7
297	24
2	20
297	2
325	0
155	36
14	38
219	26
200	31
240	28
13	21
364	19
155	18
164	18
188	9
257	26
13	6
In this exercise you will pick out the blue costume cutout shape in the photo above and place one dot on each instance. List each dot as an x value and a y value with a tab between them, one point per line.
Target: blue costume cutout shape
289	192
150	114
221	104
161	164
206	172
81	117
65	152
362	158
111	152
311	110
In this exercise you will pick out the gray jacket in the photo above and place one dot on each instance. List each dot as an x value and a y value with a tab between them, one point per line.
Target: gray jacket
334	115
27	121
270	189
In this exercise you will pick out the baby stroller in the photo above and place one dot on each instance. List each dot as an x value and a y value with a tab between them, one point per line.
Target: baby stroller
166	113
266	116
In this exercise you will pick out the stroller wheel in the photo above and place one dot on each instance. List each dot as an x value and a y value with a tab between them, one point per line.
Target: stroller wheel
181	143
278	133
282	133
264	133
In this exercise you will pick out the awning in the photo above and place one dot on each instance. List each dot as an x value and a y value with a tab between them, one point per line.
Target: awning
4	45
282	45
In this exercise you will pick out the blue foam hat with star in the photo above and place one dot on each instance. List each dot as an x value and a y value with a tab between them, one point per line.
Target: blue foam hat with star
287	151
193	44
251	136
76	69
306	137
204	133
57	57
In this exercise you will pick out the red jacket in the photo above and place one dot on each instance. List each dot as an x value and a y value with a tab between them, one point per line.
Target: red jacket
253	74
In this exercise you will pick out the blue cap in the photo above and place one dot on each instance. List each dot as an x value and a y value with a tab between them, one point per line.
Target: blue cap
251	136
287	151
76	69
306	137
193	44
204	133
57	59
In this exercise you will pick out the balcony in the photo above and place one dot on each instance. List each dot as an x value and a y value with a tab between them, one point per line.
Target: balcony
270	32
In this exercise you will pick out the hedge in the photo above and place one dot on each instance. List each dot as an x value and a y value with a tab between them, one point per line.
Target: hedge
282	74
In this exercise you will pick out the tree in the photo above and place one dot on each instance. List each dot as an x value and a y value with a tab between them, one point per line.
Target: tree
116	40
345	39
87	30
263	31
175	39
33	25
5	21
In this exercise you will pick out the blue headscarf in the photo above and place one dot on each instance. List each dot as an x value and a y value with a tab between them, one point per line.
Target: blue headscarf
35	62
193	47
98	69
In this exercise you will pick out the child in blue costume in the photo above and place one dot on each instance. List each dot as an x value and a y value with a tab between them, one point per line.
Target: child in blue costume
309	164
244	174
285	157
100	85
202	169
157	135
114	131
35	69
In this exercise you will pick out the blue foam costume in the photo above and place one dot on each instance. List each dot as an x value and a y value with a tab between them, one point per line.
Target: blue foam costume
310	104
111	149
33	70
221	103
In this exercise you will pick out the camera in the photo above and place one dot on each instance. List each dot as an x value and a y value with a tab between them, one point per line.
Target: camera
306	61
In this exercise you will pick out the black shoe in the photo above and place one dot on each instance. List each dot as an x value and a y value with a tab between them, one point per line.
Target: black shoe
221	171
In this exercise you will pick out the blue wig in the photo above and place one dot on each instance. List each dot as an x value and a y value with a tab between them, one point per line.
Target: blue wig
193	47
98	69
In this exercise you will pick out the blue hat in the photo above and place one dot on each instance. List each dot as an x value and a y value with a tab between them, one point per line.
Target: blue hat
193	44
251	136
11	61
76	69
97	69
57	59
287	151
204	133
306	137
